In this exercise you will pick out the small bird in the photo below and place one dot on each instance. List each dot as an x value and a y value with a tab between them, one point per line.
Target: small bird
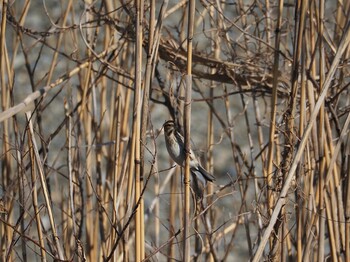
176	148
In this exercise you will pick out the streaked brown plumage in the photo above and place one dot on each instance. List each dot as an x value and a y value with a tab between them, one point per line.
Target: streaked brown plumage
176	148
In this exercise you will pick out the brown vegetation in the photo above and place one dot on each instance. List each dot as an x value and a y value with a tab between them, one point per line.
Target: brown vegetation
87	85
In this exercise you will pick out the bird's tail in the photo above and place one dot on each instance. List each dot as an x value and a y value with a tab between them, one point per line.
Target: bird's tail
206	174
198	183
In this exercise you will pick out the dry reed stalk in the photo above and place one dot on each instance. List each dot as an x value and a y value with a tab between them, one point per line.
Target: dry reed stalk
124	160
85	152
187	126
298	207
136	136
153	43
40	169
271	144
115	169
281	200
321	142
7	233
35	199
347	206
291	122
86	119
210	218
70	220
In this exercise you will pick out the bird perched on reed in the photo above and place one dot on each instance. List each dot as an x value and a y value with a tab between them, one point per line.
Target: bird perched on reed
175	145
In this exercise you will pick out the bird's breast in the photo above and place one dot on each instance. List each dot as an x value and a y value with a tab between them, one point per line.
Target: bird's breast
175	151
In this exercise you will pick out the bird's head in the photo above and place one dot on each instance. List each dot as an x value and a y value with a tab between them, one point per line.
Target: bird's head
169	127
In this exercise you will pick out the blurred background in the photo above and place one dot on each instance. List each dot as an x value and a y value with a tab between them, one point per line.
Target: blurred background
86	87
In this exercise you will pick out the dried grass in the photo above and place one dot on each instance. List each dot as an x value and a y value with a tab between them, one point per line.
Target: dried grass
85	89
